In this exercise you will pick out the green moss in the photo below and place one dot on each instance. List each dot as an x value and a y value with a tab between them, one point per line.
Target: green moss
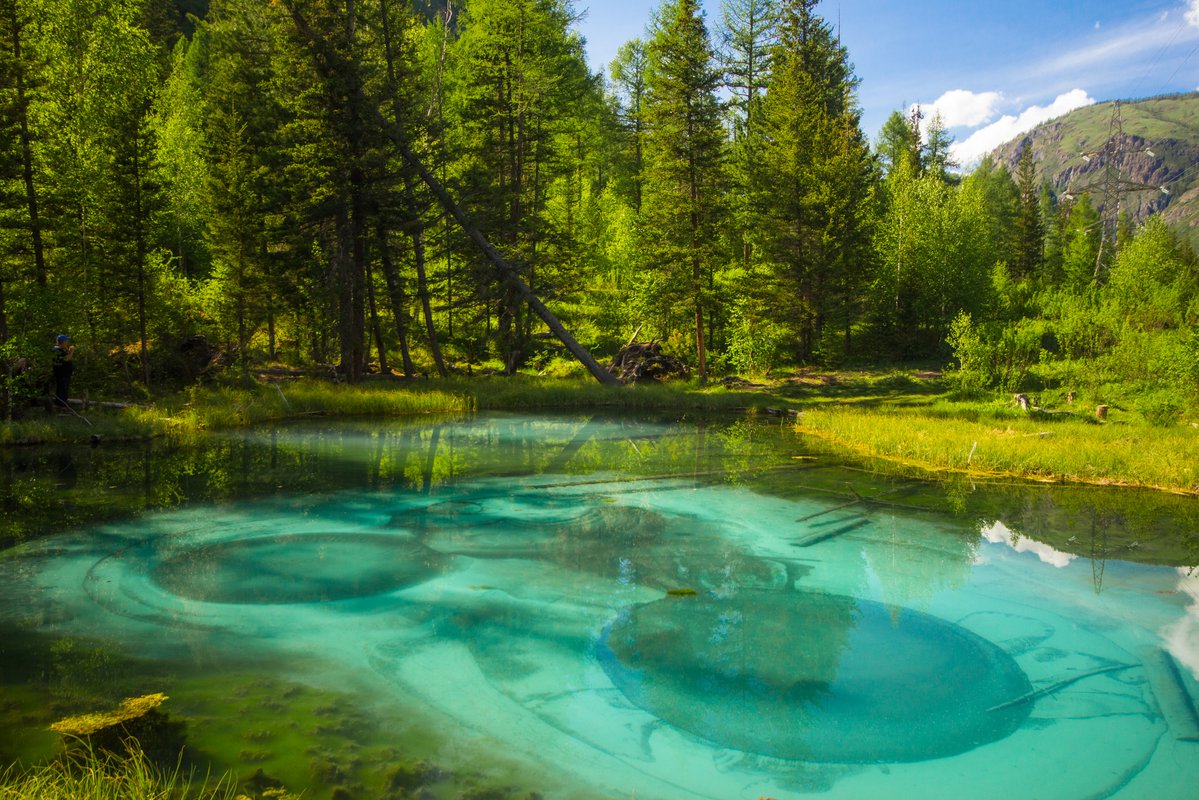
132	708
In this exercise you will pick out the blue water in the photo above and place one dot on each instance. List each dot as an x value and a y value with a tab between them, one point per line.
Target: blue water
615	608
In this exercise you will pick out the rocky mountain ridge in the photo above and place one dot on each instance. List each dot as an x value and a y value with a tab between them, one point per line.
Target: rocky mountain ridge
1156	150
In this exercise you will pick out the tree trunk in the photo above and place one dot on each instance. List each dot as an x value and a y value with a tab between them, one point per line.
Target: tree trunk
376	328
395	291
355	102
35	228
507	272
416	223
422	280
3	315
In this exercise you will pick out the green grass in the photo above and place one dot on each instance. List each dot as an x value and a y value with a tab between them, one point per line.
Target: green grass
97	777
990	440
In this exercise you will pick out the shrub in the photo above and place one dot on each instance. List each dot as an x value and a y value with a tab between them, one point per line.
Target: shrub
995	355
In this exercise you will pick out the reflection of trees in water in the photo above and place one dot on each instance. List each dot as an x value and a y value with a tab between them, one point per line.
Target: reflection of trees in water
913	561
115	480
1098	523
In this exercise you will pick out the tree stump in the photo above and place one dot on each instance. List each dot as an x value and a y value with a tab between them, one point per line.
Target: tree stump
1101	413
638	361
1022	401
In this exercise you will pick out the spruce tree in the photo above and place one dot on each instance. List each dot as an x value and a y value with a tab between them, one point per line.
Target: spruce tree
682	210
819	181
1028	251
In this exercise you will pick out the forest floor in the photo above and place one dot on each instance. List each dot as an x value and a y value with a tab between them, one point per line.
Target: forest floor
910	418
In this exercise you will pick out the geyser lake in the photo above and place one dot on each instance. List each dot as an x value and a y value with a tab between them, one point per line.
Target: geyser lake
508	606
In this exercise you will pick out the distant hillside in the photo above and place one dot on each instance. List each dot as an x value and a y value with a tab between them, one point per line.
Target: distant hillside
1161	148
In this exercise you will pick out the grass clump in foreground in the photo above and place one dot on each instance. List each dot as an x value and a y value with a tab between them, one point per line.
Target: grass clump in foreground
995	441
93	776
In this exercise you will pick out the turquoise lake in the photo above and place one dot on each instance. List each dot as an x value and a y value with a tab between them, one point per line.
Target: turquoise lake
507	606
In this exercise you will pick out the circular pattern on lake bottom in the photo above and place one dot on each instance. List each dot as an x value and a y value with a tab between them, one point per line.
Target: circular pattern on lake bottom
816	677
292	568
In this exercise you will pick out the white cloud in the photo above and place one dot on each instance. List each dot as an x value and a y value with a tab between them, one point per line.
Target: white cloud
998	533
1182	637
1009	126
960	107
1123	45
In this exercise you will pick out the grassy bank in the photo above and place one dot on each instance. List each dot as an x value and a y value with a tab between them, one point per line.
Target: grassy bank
906	420
208	408
967	438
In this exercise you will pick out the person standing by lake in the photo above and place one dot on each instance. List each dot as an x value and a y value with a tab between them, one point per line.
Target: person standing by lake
63	365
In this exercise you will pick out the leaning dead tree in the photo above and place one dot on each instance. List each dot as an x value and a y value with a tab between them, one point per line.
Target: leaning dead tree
508	273
332	64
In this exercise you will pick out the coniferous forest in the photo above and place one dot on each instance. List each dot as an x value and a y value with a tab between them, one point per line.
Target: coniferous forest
381	186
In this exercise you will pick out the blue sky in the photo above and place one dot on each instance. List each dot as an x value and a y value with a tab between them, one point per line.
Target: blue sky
992	69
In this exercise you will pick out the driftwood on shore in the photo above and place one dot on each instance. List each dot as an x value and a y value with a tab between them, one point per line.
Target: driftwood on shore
642	361
51	403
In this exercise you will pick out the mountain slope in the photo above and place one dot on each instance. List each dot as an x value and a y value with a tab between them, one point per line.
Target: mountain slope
1160	149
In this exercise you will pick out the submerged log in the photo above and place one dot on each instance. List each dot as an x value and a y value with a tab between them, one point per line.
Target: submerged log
1036	694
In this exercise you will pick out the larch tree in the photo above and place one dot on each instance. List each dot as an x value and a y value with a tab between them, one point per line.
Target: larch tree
101	79
628	80
23	267
748	34
19	200
244	155
897	143
935	156
517	81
